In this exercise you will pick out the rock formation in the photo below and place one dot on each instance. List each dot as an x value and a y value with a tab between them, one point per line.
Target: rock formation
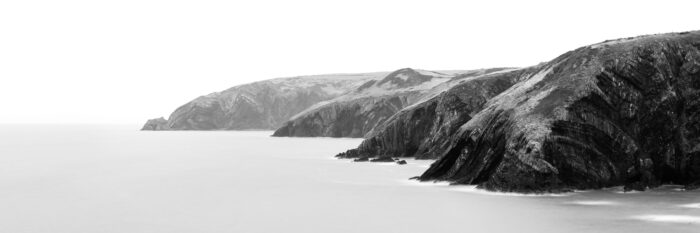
156	124
623	112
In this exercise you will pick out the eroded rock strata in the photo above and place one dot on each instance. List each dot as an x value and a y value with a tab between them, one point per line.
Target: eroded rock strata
623	112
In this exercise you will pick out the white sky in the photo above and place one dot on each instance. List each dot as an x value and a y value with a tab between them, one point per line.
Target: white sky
126	61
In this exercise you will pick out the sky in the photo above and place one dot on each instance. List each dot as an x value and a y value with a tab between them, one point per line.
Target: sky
122	62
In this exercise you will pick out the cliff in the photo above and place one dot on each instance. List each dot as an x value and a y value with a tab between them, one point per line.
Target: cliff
622	112
419	130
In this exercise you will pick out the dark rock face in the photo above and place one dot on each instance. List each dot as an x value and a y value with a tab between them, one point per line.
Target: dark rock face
259	105
624	112
383	159
401	162
370	105
419	131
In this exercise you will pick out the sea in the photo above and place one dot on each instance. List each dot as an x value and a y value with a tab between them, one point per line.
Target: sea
115	178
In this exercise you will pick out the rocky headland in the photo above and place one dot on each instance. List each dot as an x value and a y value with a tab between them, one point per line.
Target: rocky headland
259	105
619	113
419	130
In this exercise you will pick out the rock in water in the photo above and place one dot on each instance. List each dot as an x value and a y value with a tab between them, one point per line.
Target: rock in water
622	112
259	105
382	159
363	159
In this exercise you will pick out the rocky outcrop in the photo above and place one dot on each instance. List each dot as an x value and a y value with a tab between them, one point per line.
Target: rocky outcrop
623	112
383	160
419	130
370	105
156	124
259	105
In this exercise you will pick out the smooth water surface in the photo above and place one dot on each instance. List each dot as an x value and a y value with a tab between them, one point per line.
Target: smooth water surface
92	179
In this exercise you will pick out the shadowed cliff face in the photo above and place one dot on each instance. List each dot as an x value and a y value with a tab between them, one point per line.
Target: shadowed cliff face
259	105
624	112
419	130
370	105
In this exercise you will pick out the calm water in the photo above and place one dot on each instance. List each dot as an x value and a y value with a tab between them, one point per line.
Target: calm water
93	179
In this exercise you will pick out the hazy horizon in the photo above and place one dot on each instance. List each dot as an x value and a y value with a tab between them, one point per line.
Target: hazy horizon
124	62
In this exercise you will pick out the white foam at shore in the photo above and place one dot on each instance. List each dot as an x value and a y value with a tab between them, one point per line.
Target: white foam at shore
627	192
425	183
474	189
595	203
688	219
691	205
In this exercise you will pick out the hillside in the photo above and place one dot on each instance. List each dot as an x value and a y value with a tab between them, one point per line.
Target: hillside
259	105
371	104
